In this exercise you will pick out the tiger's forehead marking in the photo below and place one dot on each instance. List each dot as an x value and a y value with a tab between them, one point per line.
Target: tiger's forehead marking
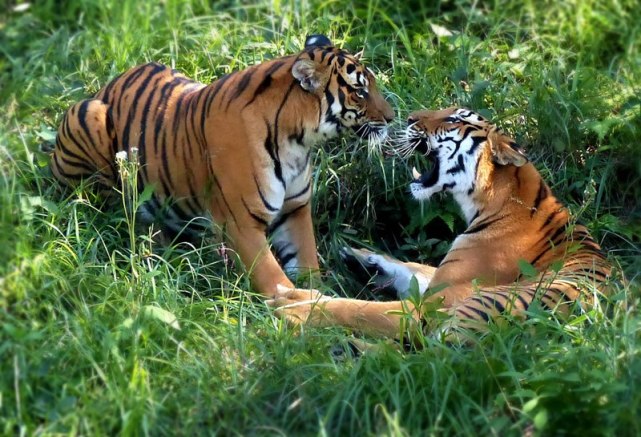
357	74
469	116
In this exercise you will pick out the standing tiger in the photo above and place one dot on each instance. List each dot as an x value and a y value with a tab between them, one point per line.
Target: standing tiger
512	215
237	150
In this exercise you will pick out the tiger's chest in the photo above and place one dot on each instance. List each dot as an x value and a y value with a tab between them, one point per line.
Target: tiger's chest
287	182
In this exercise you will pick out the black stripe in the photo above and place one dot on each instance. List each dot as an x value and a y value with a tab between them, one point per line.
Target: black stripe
271	148
476	142
444	262
192	113
301	192
166	185
142	144
539	256
459	167
135	74
125	87
484	298
179	212
242	84
457	145
160	112
484	224
194	199
524	302
540	196
481	313
131	116
222	195
86	158
287	258
107	90
549	218
260	220
225	90
281	247
277	119
205	92
63	173
476	168
82	164
266	82
343	83
551	235
82	120
66	131
111	130
459	309
283	218
177	117
448	186
263	199
216	86
560	293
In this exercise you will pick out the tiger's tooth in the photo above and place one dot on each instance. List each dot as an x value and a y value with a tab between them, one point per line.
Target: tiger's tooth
415	173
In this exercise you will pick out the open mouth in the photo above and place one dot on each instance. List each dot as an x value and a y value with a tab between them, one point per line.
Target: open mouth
418	142
429	177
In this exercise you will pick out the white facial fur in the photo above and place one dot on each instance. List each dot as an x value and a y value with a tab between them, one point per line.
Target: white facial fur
454	157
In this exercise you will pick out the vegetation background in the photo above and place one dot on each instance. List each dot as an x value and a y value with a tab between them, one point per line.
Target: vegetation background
104	332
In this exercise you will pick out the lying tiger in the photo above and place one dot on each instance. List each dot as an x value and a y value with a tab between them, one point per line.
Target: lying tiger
237	150
512	215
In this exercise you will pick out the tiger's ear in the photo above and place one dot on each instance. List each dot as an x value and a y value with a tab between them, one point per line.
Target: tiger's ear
317	41
309	74
505	151
359	55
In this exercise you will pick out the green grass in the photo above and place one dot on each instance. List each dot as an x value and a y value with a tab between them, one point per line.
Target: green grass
102	336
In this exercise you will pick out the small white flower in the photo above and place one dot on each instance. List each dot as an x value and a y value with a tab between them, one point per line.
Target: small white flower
121	156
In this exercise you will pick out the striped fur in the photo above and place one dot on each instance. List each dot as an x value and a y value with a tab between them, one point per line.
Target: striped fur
237	150
512	216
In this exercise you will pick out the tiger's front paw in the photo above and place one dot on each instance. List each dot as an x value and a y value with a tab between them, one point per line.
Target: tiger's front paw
299	306
369	265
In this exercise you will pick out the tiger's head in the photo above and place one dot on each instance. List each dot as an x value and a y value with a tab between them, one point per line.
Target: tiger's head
346	89
464	149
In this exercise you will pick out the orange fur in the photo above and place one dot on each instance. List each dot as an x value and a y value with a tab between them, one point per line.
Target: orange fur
512	216
238	149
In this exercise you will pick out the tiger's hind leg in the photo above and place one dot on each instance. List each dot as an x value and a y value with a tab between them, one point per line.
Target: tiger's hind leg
85	146
388	272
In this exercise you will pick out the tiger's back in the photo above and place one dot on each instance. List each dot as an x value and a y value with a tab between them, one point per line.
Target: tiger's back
237	150
139	109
